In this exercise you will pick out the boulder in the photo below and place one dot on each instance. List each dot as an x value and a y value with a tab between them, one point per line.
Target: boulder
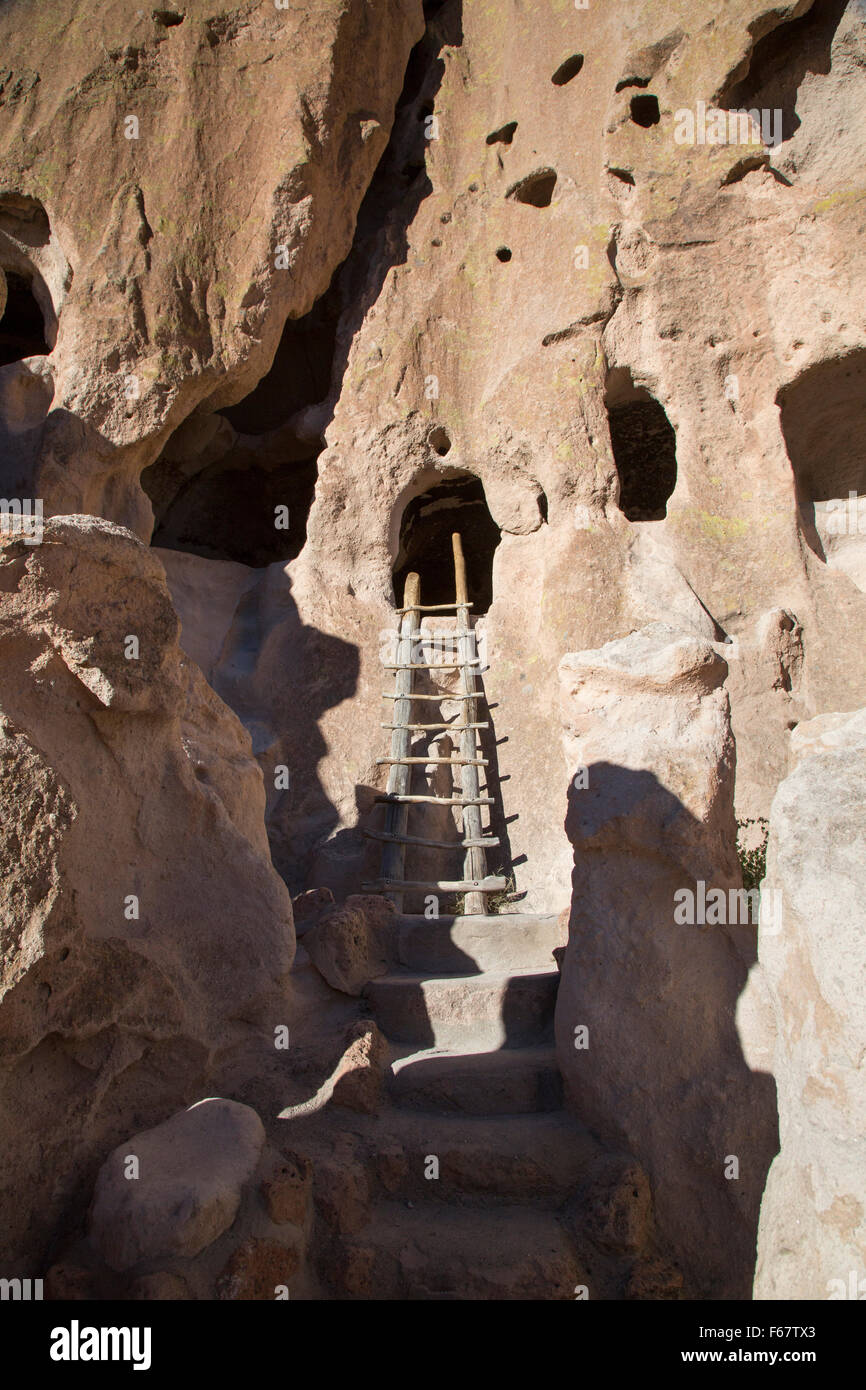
352	943
173	1190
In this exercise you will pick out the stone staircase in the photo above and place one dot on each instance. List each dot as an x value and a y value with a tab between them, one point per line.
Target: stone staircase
473	1182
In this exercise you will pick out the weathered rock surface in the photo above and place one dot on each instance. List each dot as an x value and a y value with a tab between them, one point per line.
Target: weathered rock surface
264	123
287	1191
619	290
803	1018
259	1269
353	943
143	925
360	1079
184	1189
644	1016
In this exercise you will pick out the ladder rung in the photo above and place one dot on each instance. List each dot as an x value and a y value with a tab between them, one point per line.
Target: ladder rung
434	608
435	665
397	799
425	638
443	695
389	839
471	885
454	728
426	762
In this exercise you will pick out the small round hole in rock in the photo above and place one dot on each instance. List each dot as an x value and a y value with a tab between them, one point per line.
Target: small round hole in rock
645	110
503	253
536	189
503	135
440	441
567	70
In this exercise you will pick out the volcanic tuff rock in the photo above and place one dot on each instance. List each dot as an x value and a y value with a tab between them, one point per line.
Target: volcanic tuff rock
254	133
660	1070
185	1189
353	943
144	926
718	287
802	1017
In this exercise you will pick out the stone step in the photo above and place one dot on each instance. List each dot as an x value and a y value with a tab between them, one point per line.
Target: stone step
463	945
490	1010
489	1160
428	1252
511	1081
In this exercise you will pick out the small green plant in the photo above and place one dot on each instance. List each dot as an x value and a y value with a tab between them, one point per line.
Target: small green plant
752	850
496	902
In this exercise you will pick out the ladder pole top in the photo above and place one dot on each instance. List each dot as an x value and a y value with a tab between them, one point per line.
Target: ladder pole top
459	569
412	591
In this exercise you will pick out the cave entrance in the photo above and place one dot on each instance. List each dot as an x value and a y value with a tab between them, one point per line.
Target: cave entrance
425	547
237	508
644	447
22	327
823	416
238	484
823	419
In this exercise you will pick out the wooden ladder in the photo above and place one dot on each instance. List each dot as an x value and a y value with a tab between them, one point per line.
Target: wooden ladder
476	883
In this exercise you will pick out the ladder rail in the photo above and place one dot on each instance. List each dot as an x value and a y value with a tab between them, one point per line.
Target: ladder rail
474	858
399	778
476	883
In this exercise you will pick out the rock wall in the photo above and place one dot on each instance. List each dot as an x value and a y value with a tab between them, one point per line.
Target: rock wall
146	934
195	181
713	278
802	1018
645	1015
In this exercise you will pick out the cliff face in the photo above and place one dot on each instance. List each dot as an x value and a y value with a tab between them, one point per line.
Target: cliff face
285	285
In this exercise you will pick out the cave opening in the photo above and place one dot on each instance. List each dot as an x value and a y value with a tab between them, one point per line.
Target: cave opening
426	527
644	448
238	484
644	110
536	189
823	420
22	327
300	374
234	509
